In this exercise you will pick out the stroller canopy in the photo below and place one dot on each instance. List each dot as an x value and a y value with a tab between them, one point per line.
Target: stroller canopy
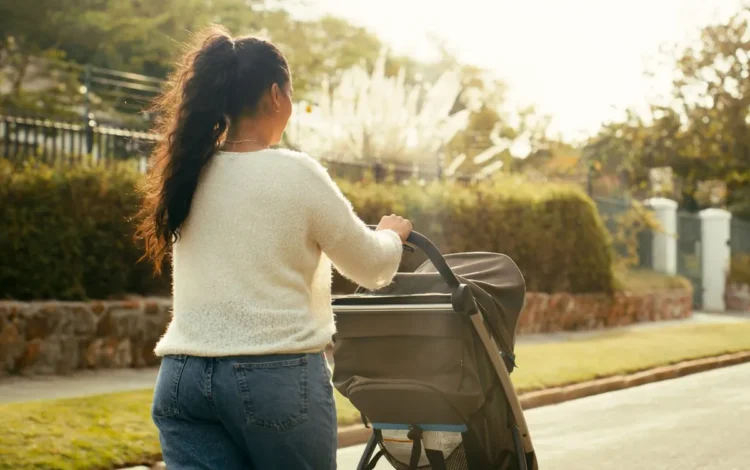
495	280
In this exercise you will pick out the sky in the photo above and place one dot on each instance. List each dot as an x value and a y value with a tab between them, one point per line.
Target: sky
580	61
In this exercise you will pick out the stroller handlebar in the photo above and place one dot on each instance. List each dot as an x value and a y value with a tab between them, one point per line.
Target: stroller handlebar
435	256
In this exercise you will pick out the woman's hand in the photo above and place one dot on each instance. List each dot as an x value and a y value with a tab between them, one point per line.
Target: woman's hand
396	223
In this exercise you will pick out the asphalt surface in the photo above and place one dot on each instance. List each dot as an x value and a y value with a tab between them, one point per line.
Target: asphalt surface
698	422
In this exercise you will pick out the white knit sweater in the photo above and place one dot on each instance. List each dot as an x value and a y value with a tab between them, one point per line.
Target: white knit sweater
252	268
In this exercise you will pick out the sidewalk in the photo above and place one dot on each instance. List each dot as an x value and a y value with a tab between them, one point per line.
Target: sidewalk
86	383
79	384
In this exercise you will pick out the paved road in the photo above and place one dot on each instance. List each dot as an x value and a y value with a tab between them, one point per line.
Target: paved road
698	422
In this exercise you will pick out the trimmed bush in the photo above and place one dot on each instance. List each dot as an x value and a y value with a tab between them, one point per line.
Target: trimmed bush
739	271
553	232
641	281
66	233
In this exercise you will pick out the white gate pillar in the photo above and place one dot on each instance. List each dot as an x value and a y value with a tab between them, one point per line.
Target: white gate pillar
715	254
664	244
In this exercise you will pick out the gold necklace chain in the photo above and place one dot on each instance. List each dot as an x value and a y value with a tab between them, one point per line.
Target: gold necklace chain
243	141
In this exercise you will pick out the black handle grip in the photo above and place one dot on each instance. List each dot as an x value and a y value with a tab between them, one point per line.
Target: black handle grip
434	255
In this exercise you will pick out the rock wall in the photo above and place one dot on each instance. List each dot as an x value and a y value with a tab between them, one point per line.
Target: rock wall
544	313
59	337
39	338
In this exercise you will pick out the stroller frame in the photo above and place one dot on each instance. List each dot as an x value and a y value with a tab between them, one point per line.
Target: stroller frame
462	302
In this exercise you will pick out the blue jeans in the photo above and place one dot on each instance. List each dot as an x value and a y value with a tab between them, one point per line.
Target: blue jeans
247	412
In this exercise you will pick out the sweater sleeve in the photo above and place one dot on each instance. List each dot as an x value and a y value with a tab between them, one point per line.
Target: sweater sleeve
367	257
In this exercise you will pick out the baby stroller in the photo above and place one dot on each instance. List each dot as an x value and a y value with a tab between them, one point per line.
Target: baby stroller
427	362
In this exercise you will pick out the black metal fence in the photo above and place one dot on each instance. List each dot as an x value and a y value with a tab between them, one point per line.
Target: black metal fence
739	237
382	172
56	142
690	253
630	241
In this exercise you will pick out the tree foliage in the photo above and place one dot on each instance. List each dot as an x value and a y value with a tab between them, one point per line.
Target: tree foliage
144	37
701	129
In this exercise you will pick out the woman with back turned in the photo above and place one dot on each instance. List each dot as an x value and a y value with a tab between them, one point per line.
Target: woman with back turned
253	232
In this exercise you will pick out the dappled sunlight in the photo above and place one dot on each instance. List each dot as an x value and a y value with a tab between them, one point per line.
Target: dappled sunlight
581	168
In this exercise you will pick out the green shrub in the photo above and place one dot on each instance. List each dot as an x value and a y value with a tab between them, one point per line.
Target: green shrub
739	271
552	232
67	232
629	224
645	280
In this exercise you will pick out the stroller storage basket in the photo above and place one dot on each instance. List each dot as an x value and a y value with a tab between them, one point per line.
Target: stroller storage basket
430	376
434	350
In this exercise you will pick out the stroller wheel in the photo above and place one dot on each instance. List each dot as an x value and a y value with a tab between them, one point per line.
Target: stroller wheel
367	462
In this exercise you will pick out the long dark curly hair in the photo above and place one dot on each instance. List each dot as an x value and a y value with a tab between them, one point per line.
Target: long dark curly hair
218	80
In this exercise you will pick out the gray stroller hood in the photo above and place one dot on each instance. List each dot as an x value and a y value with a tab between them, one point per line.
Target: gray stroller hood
495	280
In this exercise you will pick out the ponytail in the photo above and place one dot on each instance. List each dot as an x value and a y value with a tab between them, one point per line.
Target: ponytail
219	79
194	118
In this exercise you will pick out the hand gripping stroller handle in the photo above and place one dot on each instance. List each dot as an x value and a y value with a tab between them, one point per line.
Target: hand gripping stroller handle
437	259
433	253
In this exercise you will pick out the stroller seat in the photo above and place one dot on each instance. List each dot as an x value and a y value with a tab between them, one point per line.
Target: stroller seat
426	361
438	446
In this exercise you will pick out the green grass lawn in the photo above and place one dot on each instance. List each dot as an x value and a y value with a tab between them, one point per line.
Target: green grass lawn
554	364
107	431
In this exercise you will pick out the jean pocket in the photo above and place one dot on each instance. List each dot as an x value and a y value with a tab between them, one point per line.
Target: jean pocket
167	387
274	393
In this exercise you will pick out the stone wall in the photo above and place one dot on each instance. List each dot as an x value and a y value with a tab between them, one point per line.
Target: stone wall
59	337
545	313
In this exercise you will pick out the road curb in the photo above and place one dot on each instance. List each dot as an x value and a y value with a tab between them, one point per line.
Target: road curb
358	434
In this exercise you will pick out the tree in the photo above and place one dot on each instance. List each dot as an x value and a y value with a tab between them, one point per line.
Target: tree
39	30
702	130
143	37
495	136
138	36
319	50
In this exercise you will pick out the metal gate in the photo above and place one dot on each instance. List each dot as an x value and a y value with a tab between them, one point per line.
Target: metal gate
740	237
646	249
689	253
610	209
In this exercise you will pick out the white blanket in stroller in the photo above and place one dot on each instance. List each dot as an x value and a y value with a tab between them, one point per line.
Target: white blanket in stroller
399	446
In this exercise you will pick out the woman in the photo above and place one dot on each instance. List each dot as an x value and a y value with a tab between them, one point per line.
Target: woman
244	382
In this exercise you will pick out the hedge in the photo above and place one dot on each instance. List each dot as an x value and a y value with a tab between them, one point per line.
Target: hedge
739	271
67	232
553	232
